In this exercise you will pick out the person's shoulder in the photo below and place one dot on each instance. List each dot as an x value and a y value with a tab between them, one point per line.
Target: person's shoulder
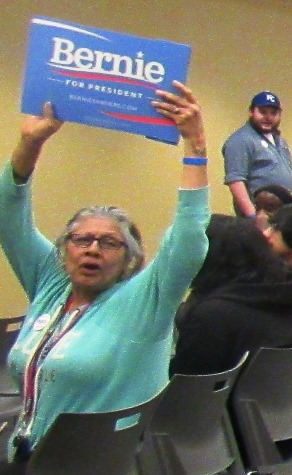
241	131
284	141
213	309
241	135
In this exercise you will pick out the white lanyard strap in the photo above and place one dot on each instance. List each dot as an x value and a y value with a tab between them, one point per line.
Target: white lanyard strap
31	381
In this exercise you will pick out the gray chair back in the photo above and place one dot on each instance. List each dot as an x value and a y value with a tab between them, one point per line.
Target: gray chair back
262	409
10	399
190	433
102	443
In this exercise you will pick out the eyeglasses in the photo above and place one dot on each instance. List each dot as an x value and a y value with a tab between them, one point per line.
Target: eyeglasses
106	243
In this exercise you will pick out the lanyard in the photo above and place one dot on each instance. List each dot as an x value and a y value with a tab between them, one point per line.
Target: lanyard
38	356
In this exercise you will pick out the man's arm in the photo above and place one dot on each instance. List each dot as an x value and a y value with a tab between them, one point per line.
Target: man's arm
237	153
241	198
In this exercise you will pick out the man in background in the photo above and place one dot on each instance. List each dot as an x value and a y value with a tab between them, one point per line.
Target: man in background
256	155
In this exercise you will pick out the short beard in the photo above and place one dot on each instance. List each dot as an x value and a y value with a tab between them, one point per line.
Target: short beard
274	129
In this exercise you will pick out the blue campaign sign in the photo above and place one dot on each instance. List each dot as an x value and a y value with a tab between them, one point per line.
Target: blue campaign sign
101	78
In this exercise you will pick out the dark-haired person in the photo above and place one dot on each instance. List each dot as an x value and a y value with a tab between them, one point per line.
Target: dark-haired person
269	199
99	326
279	232
256	154
240	300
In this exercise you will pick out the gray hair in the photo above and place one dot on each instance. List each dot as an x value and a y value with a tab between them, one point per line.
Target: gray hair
135	251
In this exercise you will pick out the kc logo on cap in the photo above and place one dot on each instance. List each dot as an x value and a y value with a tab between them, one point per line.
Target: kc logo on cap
271	98
265	98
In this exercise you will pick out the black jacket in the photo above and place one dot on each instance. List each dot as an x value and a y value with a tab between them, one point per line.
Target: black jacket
216	331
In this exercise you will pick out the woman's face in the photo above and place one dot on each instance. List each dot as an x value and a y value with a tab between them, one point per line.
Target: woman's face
93	268
265	204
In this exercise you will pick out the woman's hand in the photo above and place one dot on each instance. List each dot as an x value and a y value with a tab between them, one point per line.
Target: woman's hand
185	111
35	131
38	129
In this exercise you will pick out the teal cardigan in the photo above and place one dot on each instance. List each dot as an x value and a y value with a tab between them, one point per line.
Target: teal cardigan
117	355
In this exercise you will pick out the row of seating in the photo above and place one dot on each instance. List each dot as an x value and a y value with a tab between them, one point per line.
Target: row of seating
236	422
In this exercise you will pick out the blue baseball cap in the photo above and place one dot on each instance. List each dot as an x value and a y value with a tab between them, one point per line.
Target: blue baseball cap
265	98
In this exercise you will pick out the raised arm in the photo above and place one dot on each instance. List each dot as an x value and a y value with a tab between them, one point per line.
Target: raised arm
185	244
185	111
34	133
25	247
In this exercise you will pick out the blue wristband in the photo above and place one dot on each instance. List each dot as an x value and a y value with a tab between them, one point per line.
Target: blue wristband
195	161
251	216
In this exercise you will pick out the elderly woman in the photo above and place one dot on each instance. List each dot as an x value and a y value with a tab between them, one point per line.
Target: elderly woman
99	326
